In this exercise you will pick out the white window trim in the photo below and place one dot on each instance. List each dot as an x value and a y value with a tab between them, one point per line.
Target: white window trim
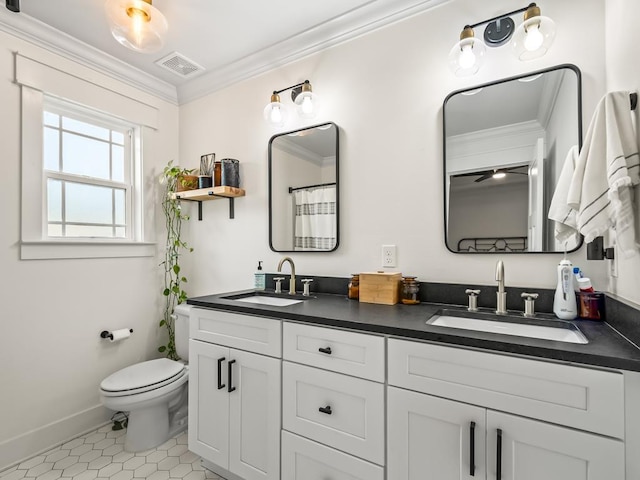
34	243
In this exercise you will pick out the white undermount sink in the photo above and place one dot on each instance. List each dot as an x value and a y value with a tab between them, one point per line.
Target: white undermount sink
564	332
271	301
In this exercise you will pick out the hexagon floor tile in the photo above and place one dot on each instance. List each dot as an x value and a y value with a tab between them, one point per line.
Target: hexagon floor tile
98	455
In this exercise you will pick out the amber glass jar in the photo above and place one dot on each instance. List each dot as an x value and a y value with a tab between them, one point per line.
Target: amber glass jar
354	287
410	289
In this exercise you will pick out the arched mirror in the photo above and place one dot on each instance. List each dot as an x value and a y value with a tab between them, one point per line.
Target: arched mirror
303	190
504	147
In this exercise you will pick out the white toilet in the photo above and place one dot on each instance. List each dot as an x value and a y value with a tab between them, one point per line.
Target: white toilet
154	393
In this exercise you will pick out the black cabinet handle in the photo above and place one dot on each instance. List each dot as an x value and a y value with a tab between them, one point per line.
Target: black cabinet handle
231	388
472	449
325	350
326	410
499	455
220	384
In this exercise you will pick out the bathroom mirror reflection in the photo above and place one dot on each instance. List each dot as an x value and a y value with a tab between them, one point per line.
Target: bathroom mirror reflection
504	146
303	190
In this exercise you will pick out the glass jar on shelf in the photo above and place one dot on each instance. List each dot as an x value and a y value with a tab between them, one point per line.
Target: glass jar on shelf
410	291
354	287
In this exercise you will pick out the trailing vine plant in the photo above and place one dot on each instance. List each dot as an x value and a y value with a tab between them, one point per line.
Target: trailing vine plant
173	292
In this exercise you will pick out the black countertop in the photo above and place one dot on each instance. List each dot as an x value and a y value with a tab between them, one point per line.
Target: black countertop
606	347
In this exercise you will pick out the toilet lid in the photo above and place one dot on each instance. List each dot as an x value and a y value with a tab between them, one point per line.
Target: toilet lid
143	375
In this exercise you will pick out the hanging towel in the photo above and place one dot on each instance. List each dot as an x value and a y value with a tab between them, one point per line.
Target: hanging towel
607	169
566	226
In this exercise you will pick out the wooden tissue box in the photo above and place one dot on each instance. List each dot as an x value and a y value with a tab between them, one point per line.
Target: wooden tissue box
380	287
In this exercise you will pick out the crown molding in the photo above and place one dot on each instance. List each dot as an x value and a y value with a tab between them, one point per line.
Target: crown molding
33	31
367	18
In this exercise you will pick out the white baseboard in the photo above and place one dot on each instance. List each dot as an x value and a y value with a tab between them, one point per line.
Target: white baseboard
39	440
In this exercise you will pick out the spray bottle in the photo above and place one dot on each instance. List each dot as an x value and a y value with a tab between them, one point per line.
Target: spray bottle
564	301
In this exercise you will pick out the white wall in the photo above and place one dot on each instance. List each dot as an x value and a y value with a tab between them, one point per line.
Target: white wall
54	310
385	91
623	73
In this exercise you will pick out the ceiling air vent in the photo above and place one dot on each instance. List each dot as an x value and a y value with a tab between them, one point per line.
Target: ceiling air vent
180	65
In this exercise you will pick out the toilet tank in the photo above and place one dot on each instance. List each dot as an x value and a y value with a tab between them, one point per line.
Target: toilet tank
181	313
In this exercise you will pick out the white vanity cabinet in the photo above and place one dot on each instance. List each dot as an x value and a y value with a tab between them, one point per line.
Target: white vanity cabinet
333	404
479	430
234	392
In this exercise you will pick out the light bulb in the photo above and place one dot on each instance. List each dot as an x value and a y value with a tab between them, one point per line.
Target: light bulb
534	39
276	115
499	174
467	58
307	106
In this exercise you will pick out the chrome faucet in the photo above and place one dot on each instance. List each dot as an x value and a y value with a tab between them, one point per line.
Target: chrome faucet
292	281
501	295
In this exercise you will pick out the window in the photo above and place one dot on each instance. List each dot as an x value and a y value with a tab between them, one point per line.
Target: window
87	163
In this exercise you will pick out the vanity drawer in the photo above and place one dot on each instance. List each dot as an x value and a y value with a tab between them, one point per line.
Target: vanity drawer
352	416
582	398
303	459
357	354
244	332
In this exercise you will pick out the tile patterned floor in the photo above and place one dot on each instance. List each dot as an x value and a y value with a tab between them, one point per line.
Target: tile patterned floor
100	455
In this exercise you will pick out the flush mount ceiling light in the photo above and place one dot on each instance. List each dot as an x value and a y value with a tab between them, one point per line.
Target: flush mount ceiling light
276	113
137	24
531	39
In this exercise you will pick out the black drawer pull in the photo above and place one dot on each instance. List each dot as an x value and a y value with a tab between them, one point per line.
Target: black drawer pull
231	387
499	455
472	449
326	410
325	350
220	384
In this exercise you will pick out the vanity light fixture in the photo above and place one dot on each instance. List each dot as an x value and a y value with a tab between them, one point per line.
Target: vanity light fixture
276	113
531	39
137	24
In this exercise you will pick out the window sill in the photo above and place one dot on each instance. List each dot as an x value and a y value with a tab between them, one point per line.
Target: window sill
53	250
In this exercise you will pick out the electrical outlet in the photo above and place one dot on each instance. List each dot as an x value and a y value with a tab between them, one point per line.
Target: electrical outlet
389	255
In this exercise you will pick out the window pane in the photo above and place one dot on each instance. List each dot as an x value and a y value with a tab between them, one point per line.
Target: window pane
88	203
117	137
54	230
89	231
120	232
54	200
51	149
120	215
85	128
83	156
117	159
51	119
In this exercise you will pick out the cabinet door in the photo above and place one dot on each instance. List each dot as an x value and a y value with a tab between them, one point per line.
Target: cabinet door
430	438
208	404
254	416
533	450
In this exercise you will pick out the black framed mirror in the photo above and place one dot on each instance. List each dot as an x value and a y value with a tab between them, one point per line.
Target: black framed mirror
505	143
303	190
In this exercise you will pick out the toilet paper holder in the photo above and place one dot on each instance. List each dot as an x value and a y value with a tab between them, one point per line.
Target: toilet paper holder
109	335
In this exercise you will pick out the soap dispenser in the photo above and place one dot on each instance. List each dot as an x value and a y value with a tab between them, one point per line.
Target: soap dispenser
564	301
259	280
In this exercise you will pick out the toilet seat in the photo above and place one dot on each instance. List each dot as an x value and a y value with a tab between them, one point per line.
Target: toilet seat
142	377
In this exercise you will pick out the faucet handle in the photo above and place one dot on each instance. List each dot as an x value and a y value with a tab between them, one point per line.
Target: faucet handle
473	299
529	299
306	282
278	281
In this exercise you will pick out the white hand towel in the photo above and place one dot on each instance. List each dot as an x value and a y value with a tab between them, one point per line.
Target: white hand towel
608	166
564	216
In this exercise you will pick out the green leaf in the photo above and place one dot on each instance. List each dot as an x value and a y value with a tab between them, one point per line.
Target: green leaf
166	292
163	323
176	269
183	279
162	349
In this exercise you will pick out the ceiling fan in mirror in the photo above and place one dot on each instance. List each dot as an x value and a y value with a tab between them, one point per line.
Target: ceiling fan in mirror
496	173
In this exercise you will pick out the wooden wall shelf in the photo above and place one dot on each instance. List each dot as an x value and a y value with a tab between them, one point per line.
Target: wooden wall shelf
213	193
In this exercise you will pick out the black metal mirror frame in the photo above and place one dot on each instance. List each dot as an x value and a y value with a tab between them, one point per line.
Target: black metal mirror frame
576	70
270	168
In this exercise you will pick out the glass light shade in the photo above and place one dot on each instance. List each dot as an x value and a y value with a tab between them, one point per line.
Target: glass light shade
136	24
307	105
533	38
276	114
467	56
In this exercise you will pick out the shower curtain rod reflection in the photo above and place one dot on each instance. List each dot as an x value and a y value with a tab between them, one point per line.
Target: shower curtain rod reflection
293	189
